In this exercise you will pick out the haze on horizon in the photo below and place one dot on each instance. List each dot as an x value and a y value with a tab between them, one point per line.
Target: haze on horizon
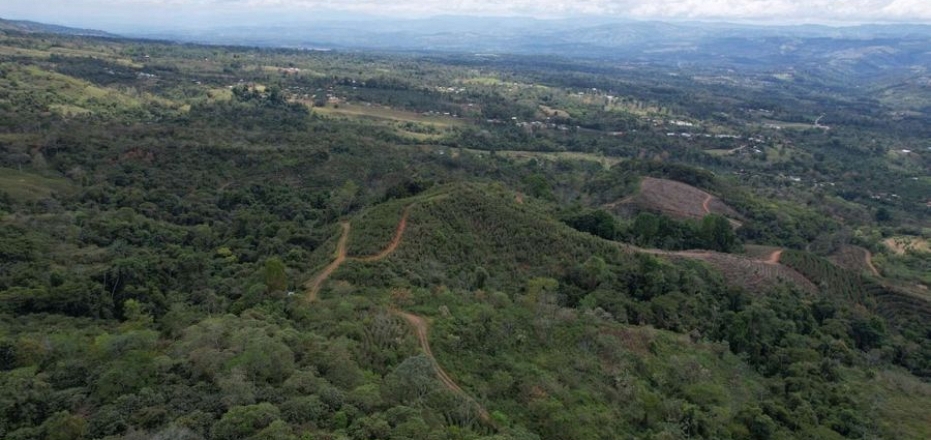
121	15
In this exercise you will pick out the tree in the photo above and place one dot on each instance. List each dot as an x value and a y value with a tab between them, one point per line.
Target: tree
276	278
596	222
717	234
882	215
64	426
245	421
411	381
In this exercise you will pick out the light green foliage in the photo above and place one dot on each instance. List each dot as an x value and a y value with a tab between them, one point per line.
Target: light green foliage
276	280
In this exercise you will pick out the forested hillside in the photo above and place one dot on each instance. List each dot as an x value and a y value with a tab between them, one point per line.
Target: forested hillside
204	242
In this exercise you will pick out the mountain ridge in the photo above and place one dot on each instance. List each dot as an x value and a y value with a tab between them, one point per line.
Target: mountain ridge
34	27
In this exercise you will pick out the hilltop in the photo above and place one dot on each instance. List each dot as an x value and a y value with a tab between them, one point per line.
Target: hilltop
675	199
43	28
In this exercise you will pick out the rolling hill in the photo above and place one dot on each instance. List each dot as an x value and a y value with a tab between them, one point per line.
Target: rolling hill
676	199
43	28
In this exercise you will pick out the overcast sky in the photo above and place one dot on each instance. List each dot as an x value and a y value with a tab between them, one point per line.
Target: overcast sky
216	12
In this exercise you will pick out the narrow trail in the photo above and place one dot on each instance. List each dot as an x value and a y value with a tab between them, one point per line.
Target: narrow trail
704	205
419	324
620	202
313	286
774	257
398	234
420	329
868	258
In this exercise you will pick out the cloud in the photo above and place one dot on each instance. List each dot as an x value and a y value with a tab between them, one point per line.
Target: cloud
766	10
830	11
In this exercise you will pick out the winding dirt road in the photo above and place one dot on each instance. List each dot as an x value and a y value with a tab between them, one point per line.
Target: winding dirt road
774	257
704	205
420	329
420	325
395	241
868	258
313	286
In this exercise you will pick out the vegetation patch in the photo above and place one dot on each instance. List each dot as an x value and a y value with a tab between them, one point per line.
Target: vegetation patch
904	243
23	186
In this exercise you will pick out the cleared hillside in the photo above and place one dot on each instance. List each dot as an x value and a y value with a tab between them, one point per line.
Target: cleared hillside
676	199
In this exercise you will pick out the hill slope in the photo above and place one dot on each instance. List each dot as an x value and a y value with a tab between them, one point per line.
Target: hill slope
42	28
676	199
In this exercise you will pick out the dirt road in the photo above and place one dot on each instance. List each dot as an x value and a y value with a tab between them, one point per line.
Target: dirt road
704	205
774	257
868	257
313	286
395	241
420	329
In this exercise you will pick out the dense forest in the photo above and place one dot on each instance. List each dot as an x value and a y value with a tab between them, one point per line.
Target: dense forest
206	242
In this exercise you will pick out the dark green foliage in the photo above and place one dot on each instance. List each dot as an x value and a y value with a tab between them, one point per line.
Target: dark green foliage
716	233
595	222
244	421
713	232
154	245
892	306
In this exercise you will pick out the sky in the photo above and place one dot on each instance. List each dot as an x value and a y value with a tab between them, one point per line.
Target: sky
104	14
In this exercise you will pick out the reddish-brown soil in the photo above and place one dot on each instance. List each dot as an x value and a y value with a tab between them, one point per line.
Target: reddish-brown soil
420	329
395	241
676	199
868	259
313	286
750	273
704	205
856	259
774	257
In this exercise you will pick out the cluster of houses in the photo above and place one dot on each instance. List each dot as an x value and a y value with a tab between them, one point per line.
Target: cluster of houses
456	90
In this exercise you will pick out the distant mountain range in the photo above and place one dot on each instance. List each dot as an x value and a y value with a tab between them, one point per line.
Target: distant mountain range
42	28
861	51
868	51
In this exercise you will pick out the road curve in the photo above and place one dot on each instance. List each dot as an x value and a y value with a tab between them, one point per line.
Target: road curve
313	286
316	283
420	329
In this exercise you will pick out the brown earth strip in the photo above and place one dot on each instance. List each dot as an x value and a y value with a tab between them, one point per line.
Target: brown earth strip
868	258
420	329
395	241
774	257
313	286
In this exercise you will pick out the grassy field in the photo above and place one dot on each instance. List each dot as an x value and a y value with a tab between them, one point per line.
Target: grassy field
904	243
549	111
69	96
26	186
718	152
758	251
523	156
380	112
790	125
63	51
900	400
